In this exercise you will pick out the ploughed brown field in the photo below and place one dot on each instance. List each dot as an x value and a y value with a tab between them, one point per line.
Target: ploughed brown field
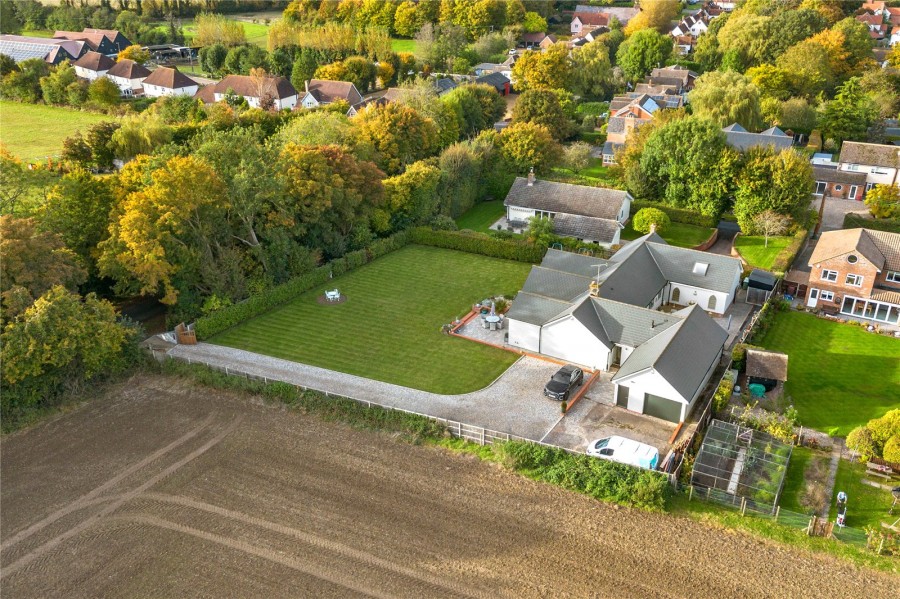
158	489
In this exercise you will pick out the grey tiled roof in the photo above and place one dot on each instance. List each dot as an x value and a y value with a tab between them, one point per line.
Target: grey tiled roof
565	198
677	265
611	147
536	309
631	325
616	125
853	152
635	281
556	284
572	263
742	140
586	227
497	80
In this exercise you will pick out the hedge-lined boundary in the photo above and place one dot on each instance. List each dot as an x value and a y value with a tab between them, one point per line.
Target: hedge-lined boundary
677	215
478	243
854	221
224	319
785	258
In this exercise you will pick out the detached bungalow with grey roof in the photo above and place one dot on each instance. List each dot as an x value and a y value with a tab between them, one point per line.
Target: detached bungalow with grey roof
592	214
742	140
604	314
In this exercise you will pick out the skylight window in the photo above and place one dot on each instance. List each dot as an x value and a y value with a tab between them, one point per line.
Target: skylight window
700	268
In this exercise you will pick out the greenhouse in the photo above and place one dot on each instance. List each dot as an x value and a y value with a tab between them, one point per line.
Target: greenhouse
741	467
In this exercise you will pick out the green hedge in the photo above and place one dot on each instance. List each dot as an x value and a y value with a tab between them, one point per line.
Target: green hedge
854	221
478	243
223	319
678	215
598	478
786	256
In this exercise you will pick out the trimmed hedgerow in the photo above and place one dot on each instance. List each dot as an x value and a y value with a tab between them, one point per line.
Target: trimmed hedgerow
854	221
478	243
786	256
598	478
223	319
677	215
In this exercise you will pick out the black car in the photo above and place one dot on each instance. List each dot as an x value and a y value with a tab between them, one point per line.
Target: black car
566	378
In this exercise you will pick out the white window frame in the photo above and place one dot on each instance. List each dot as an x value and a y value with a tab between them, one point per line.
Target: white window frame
854	189
857	280
826	296
829	275
892	276
852	167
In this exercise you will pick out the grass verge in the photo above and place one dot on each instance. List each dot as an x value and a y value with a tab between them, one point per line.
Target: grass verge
839	376
35	131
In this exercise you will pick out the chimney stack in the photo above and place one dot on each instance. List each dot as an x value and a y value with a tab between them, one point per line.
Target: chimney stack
531	177
306	83
653	227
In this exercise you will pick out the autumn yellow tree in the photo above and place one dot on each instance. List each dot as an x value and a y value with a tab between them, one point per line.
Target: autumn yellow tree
658	15
135	53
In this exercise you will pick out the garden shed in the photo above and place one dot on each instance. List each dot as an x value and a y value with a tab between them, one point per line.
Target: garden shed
767	368
741	467
760	285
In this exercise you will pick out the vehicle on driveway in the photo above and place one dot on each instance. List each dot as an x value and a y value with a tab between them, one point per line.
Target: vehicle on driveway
560	384
625	451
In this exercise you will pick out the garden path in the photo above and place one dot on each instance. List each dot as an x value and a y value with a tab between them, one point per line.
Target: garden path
836	451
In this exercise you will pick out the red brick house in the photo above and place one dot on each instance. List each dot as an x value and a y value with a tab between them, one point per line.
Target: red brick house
856	272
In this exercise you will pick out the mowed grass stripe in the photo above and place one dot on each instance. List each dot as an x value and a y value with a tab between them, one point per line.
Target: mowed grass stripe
389	327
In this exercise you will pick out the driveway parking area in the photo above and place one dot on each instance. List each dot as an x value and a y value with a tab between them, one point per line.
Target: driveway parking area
589	420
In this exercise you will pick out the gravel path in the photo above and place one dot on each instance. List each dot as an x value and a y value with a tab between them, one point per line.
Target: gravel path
512	404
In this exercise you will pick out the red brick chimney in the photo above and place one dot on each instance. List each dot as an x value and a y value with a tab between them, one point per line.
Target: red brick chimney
531	177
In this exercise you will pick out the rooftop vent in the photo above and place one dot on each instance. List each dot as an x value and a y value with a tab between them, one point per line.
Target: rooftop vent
700	268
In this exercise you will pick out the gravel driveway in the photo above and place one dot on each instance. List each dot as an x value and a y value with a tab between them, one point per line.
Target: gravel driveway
514	403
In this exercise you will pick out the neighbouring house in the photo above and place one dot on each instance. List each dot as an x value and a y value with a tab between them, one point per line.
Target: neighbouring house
530	41
582	22
93	65
684	44
879	162
604	314
486	68
169	81
380	98
895	37
742	140
283	94
692	25
129	76
498	81
104	41
626	115
856	272
444	85
683	79
587	15
320	92
878	29
591	214
766	368
51	51
834	183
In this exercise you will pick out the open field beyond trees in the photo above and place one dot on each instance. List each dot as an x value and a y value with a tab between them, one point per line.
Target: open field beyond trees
839	376
35	131
389	327
754	250
219	494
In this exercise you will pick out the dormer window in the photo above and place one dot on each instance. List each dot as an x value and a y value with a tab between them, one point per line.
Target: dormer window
852	258
700	268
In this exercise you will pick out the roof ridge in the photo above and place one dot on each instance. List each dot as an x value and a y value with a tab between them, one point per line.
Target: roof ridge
547	297
636	307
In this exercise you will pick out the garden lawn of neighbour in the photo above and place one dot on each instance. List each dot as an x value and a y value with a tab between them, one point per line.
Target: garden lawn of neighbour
481	216
402	45
866	505
754	251
35	131
677	234
839	376
388	328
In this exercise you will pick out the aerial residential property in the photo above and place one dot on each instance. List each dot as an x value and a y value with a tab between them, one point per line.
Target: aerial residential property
168	81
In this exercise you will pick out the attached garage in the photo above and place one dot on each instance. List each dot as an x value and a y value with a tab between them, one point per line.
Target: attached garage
663	408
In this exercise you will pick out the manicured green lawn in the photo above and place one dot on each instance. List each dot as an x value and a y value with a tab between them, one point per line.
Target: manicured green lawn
389	327
35	131
401	45
839	376
678	234
866	505
481	216
755	252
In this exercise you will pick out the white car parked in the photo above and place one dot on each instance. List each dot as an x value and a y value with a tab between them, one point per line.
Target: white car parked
626	451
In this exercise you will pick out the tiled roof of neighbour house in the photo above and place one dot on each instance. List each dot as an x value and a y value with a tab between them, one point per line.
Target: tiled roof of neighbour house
571	262
586	227
742	140
676	72
678	265
643	102
536	309
656	90
93	39
169	77
330	91
128	69
881	295
870	19
622	13
599	202
837	243
616	124
95	61
611	147
595	19
854	152
493	79
533	38
556	284
889	246
767	364
619	102
833	175
206	94
682	353
244	85
19	47
444	84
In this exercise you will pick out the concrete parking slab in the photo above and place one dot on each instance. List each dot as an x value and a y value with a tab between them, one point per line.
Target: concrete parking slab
514	403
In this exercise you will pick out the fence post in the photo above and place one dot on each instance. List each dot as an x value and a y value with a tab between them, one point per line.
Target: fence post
482	435
743	506
691	493
777	512
708	491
